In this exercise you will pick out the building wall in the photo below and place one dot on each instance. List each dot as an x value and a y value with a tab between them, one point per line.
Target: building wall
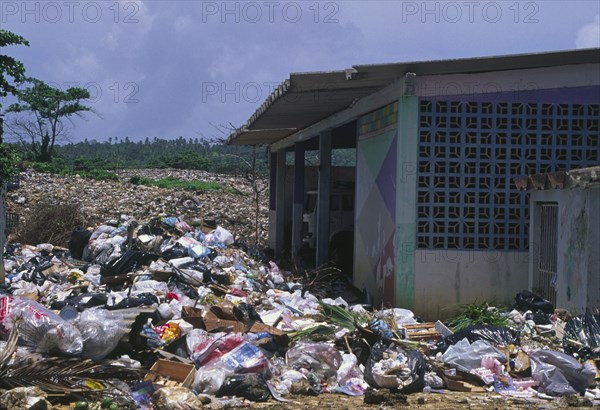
578	247
470	149
450	277
375	223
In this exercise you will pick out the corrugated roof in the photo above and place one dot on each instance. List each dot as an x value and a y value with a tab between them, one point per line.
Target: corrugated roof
306	98
576	178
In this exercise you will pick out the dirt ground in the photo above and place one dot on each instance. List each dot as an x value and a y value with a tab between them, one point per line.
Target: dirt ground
425	401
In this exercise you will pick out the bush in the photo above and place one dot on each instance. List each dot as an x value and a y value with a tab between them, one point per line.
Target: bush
138	180
8	162
174	183
46	167
50	222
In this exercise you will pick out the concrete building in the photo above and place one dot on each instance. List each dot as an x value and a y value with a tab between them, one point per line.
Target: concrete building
438	220
565	233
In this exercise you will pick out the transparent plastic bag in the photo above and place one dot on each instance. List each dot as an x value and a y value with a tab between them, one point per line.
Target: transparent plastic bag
559	374
467	356
321	358
39	327
101	331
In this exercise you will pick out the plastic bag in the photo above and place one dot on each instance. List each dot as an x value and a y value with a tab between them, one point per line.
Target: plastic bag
147	286
225	356
173	250
527	300
249	386
175	398
399	316
497	335
558	373
584	330
198	340
101	331
390	366
321	358
350	377
467	356
78	241
220	235
128	262
39	327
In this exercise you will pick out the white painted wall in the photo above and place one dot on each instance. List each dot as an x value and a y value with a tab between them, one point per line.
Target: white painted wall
446	278
578	257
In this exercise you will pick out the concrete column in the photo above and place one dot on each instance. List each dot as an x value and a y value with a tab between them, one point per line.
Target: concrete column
280	203
323	197
272	198
298	197
406	202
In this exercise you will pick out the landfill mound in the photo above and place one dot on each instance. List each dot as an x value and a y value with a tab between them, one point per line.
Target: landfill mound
233	207
166	313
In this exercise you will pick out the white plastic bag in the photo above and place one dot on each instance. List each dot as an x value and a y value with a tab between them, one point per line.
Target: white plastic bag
467	356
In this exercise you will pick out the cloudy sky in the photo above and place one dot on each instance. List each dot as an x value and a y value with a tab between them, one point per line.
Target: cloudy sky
170	68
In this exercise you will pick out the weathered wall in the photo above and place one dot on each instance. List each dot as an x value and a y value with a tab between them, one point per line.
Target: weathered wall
446	278
578	256
376	205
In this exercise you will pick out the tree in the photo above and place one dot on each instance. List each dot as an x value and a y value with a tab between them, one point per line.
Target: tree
49	107
12	71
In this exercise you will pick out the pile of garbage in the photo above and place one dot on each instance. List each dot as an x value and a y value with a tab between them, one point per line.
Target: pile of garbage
162	314
100	200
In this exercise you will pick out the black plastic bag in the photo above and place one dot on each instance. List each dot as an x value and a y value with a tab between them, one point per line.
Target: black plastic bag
526	300
496	335
417	364
143	299
252	250
81	302
247	313
539	318
36	277
79	239
249	386
175	252
559	374
584	330
128	262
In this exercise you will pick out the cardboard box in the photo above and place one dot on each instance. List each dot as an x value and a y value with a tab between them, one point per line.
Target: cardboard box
171	373
426	331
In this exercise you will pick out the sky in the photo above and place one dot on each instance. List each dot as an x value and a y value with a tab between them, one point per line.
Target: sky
195	68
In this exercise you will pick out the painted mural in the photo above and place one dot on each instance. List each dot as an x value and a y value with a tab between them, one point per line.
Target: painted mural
376	204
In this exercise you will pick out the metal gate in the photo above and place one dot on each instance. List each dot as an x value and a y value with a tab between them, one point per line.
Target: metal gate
548	251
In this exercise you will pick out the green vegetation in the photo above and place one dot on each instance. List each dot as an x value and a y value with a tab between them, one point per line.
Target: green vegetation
57	166
178	153
341	317
8	162
174	183
477	314
47	108
12	71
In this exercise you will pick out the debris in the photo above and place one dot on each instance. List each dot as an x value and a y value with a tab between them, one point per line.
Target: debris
141	309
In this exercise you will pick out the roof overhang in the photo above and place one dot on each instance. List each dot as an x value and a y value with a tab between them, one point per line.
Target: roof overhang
307	98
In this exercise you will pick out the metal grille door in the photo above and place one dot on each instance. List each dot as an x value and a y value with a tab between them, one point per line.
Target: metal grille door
548	251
